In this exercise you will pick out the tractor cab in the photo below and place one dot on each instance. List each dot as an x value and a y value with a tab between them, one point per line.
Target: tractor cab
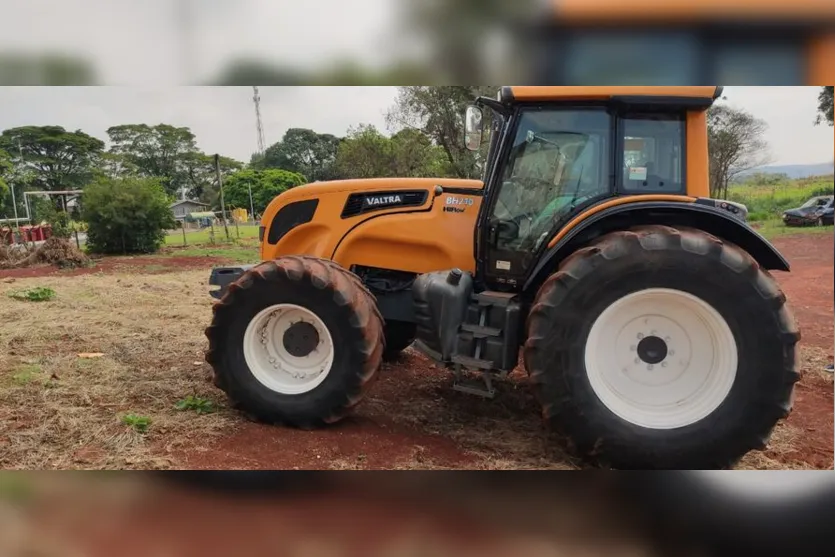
558	151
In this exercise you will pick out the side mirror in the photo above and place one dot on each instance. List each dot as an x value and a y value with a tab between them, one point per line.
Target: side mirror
474	123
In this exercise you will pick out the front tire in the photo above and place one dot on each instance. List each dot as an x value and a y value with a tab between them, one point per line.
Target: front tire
662	348
296	341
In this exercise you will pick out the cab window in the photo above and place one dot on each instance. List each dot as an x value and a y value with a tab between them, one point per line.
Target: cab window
653	160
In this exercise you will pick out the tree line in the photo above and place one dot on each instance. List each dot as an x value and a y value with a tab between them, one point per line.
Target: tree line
428	142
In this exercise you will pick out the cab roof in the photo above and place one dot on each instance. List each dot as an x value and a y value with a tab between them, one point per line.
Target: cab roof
697	97
691	11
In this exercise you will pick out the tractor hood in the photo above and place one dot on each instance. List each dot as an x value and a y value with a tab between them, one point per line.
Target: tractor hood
319	189
382	190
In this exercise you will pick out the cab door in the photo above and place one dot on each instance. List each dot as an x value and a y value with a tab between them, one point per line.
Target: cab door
560	160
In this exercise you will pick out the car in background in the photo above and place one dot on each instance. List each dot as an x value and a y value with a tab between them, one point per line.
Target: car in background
818	211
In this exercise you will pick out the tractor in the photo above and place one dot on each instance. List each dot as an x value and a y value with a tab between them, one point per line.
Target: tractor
650	327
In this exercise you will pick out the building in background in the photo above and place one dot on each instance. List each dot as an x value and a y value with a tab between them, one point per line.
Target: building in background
182	209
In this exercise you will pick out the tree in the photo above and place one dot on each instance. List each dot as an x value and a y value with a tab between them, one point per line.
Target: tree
5	171
58	159
265	184
735	144
160	151
415	156
365	153
128	215
303	151
202	176
825	105
438	112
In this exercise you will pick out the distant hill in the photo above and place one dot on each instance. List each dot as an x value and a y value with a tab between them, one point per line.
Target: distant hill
796	170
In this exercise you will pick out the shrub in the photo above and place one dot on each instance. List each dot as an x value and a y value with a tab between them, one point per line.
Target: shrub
265	184
128	215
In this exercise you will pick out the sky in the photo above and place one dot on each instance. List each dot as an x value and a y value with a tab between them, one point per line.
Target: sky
223	118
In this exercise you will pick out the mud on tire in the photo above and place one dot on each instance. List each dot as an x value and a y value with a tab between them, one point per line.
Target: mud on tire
342	304
685	260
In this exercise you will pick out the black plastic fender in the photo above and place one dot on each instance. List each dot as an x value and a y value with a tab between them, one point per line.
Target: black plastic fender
704	214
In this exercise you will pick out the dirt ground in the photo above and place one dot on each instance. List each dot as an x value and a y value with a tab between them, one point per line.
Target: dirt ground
146	315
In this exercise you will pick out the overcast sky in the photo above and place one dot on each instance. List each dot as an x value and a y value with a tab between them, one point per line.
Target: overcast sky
223	118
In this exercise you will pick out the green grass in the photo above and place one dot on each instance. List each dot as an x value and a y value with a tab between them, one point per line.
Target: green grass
238	253
139	423
774	228
197	404
767	202
26	373
34	294
198	237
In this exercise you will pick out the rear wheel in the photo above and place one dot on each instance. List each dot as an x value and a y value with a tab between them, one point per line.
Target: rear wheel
295	341
662	348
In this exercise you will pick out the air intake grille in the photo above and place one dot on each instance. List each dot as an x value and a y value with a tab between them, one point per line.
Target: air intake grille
361	203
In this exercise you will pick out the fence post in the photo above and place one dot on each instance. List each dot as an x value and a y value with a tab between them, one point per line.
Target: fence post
183	226
77	243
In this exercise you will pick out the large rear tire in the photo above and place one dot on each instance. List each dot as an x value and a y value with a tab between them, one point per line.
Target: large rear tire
662	348
295	341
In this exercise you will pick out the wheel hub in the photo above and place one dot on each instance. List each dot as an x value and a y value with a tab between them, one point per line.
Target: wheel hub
652	350
301	339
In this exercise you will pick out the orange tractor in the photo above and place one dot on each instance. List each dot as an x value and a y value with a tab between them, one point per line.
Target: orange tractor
652	331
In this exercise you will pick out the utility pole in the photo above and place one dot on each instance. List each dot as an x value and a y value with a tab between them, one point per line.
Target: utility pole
222	203
14	201
259	128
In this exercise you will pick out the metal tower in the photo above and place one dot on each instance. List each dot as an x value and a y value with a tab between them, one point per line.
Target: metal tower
256	98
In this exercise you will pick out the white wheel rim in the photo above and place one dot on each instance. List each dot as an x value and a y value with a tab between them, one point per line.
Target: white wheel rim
689	383
272	364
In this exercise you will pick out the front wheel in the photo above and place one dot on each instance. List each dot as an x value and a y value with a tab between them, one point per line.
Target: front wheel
662	348
295	341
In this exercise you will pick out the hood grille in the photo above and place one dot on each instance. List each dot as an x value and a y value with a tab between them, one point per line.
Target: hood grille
369	202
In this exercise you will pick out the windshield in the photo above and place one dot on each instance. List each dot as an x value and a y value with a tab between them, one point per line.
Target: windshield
815	202
559	158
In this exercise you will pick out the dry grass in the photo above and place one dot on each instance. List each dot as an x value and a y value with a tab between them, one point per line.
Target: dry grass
61	411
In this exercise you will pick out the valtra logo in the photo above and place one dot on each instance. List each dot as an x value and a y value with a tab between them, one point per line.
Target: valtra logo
378	200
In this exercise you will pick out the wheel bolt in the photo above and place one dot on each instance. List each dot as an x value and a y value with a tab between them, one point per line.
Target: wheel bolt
640	336
632	348
663	364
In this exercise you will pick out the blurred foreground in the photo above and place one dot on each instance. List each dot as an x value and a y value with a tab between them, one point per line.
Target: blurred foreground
434	42
395	514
